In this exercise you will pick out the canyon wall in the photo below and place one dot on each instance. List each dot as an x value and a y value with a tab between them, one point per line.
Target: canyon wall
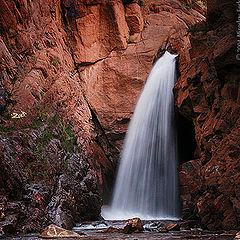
84	63
71	73
208	93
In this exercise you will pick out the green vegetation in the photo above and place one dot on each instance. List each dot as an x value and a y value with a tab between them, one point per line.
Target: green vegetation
35	44
49	126
68	138
202	4
188	6
153	5
129	40
65	133
201	27
141	3
131	32
54	61
5	130
56	128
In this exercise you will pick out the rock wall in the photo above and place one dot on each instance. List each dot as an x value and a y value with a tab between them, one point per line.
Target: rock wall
45	178
42	180
208	93
113	81
87	60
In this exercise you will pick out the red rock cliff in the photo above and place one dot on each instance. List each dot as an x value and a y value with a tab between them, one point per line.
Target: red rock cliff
208	93
88	60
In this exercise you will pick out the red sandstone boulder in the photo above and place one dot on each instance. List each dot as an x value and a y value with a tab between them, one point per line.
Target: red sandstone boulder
173	227
53	231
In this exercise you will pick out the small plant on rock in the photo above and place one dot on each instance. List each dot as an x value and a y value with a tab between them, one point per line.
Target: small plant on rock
141	3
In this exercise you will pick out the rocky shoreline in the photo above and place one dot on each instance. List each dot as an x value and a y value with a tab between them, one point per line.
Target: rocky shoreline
151	230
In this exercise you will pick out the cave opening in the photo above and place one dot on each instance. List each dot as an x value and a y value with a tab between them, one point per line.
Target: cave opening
186	138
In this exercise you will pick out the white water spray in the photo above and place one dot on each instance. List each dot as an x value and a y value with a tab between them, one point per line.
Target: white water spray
146	184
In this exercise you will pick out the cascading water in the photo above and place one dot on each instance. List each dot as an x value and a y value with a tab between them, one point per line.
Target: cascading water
146	184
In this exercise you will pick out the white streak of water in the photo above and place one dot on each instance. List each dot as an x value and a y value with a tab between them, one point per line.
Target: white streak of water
146	184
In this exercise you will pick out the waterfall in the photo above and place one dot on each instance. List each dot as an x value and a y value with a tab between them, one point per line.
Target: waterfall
146	184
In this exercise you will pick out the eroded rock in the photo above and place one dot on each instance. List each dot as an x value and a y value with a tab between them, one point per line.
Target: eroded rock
53	231
205	94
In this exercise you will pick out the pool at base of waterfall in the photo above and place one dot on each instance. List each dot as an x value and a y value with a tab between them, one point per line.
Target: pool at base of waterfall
152	230
97	230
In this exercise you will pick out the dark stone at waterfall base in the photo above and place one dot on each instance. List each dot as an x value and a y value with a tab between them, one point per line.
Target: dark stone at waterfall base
132	225
170	227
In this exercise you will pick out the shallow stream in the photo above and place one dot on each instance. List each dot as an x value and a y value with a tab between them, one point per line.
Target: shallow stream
97	231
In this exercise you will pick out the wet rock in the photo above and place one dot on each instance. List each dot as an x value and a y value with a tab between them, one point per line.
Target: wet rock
53	231
170	227
162	230
113	230
52	183
237	236
133	225
173	227
187	225
1	232
9	224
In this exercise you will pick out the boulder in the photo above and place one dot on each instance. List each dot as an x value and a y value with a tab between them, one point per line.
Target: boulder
133	225
53	231
170	227
237	236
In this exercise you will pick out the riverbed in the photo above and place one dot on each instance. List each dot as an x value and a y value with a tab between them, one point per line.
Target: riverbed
98	230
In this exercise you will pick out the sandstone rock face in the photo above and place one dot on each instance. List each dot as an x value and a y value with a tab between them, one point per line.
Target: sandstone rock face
42	182
207	92
112	85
